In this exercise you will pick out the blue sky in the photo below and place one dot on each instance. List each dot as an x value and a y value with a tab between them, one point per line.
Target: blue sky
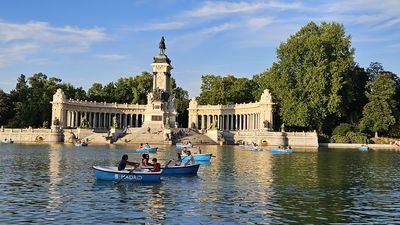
89	41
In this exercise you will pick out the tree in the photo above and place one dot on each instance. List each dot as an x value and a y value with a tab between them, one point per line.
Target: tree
379	112
6	107
309	76
226	90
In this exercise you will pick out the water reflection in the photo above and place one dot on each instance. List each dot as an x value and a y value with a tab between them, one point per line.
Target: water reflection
55	199
45	183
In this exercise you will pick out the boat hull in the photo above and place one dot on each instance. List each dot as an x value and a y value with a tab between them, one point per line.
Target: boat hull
179	170
147	150
112	174
81	145
198	157
363	148
7	142
280	150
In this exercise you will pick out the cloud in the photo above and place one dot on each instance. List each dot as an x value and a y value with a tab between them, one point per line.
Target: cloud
211	9
258	23
17	52
20	40
111	56
174	25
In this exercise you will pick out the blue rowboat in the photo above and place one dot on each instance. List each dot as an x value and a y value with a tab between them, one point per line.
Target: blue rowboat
111	173
81	145
180	146
178	170
364	148
281	150
147	150
198	157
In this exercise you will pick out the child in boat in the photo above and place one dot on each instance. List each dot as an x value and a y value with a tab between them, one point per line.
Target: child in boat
124	161
156	165
191	159
178	159
145	160
147	145
184	151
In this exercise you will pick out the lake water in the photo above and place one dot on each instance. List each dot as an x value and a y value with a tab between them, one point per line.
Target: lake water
55	184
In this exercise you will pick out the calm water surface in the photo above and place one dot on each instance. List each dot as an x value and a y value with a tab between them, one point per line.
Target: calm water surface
55	184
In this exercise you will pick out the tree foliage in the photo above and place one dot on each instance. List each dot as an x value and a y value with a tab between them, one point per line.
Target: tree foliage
379	112
310	74
225	90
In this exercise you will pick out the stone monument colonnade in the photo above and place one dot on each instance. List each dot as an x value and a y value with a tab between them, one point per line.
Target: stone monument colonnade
246	116
159	112
71	113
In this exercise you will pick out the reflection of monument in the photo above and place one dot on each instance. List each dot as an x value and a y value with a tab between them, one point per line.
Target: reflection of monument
161	102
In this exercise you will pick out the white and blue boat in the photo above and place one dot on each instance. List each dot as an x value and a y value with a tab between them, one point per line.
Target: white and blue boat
147	150
198	157
111	173
181	146
363	148
179	170
81	144
281	150
7	141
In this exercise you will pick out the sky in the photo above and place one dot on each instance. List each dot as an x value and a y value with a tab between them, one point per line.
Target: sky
83	42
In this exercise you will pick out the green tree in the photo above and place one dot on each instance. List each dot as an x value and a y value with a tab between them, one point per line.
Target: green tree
379	112
226	90
309	76
6	107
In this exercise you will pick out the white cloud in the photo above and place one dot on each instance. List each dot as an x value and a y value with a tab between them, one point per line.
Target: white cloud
258	23
174	25
111	56
20	40
209	9
16	52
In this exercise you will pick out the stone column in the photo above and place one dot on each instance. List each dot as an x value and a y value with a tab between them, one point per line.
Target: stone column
136	120
202	122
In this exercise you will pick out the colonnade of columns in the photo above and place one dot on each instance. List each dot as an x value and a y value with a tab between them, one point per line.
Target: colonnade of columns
249	121
102	119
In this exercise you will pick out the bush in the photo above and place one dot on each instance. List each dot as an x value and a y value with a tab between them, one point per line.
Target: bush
342	129
339	139
357	137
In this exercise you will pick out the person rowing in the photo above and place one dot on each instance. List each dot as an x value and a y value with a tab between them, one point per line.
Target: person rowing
124	161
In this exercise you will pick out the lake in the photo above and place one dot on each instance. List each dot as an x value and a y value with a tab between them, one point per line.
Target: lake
49	184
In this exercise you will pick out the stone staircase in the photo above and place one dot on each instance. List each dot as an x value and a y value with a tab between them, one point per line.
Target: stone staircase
141	135
195	137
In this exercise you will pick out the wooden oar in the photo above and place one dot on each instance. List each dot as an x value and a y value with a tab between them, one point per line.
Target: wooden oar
134	167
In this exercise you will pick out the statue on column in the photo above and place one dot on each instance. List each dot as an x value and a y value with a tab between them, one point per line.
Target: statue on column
162	46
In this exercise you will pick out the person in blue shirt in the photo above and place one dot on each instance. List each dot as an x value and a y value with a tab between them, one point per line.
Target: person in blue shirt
124	161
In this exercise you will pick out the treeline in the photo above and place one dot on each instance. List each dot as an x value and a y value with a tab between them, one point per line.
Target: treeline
29	103
317	85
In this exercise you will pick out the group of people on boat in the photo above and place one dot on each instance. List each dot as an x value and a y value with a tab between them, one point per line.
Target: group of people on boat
144	146
177	161
285	147
145	162
8	140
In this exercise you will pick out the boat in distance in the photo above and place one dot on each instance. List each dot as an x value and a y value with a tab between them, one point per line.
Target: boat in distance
147	150
198	157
